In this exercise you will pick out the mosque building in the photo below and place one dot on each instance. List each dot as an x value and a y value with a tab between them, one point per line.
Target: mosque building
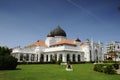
57	47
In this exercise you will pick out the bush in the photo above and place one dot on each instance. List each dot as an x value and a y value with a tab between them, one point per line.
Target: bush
59	61
8	62
99	67
116	66
105	68
109	69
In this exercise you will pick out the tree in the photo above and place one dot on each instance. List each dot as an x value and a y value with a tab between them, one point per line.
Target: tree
4	51
7	62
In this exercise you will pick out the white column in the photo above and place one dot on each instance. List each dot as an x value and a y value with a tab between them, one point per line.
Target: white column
35	58
76	58
57	56
44	57
64	57
71	57
48	57
82	57
18	57
39	57
29	57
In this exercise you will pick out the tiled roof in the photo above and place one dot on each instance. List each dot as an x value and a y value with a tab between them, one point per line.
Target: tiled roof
83	44
112	54
65	41
38	43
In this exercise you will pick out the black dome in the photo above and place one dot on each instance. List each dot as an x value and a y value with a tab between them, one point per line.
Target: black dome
77	39
50	34
57	32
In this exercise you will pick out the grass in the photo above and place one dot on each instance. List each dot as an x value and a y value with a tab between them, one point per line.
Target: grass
55	72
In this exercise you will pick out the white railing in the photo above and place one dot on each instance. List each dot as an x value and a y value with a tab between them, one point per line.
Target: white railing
60	48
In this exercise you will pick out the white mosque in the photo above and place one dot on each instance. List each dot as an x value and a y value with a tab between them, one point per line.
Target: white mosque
57	47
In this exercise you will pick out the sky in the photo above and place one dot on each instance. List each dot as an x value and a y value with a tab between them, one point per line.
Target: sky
23	22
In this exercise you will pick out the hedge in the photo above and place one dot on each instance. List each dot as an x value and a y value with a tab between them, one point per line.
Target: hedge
105	68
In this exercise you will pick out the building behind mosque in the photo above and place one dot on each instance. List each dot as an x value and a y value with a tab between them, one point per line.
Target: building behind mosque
57	47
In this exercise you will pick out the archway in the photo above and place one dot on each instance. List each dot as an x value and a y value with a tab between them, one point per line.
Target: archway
96	55
73	57
60	56
47	58
79	58
68	57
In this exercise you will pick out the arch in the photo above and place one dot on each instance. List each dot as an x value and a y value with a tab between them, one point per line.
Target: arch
55	57
41	58
47	58
90	55
32	57
68	57
73	57
21	57
51	58
27	57
79	58
60	56
96	55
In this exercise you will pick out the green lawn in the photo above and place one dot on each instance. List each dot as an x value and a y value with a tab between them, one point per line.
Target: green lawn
55	72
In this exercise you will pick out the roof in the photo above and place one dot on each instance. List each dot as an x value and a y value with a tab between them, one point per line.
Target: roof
37	43
112	54
65	41
83	44
78	40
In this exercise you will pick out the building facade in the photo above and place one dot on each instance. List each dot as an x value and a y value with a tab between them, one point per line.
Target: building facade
113	50
57	47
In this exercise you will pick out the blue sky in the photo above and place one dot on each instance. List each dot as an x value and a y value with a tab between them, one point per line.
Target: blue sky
25	21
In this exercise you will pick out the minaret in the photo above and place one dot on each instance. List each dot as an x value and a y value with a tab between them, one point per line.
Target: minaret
92	49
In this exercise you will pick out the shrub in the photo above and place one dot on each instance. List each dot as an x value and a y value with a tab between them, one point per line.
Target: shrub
109	69
8	63
99	67
105	68
116	66
59	61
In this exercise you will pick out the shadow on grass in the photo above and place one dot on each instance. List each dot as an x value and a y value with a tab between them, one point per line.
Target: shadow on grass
18	69
10	70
